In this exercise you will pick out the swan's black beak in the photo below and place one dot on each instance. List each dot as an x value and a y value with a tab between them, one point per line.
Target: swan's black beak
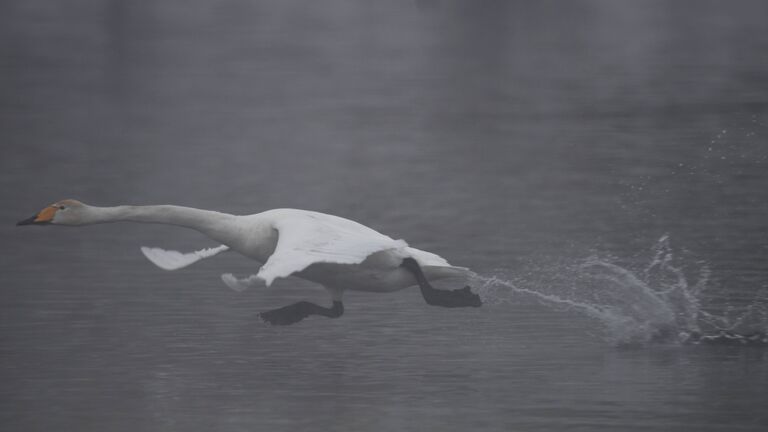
31	221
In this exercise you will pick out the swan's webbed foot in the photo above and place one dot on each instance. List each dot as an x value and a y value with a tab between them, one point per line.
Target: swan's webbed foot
296	312
463	297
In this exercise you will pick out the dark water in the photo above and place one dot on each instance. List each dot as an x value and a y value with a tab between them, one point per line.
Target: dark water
604	161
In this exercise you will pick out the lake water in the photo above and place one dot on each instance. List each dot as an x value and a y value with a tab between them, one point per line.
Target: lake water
600	165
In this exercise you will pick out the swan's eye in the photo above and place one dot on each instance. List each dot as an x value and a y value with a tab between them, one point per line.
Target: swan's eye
62	207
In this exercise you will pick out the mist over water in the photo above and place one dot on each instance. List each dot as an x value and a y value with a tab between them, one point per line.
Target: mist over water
600	165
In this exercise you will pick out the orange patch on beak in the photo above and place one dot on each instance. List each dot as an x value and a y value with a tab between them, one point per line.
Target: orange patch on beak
46	214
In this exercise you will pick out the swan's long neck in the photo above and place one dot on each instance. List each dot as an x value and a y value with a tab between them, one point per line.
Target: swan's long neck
206	221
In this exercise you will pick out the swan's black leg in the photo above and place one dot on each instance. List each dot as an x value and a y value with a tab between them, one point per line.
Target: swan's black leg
463	297
296	312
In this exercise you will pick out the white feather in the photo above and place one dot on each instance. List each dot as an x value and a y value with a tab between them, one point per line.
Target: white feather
427	258
306	238
174	260
239	285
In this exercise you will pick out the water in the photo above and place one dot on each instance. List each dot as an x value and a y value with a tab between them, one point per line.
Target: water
659	305
599	165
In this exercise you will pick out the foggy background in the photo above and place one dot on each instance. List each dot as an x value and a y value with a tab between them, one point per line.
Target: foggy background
502	135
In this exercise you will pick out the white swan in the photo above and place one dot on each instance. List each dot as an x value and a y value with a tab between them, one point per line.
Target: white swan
337	253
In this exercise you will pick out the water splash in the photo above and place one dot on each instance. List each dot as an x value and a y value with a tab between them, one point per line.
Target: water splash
661	303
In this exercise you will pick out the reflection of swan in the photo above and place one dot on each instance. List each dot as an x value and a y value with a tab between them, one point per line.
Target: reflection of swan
335	252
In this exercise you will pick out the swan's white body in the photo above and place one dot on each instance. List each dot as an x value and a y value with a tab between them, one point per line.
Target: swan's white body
337	253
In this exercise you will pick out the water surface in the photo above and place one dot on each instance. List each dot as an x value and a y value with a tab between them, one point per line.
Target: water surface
525	141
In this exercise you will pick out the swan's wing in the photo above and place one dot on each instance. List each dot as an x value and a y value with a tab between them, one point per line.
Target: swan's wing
174	260
312	238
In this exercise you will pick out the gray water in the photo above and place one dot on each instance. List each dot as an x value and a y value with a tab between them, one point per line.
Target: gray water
600	165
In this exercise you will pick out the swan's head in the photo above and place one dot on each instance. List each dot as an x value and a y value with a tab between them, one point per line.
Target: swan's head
66	212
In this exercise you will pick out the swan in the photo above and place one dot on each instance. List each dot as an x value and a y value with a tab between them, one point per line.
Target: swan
336	253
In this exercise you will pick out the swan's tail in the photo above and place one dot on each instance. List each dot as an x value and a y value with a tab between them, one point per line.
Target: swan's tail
445	272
